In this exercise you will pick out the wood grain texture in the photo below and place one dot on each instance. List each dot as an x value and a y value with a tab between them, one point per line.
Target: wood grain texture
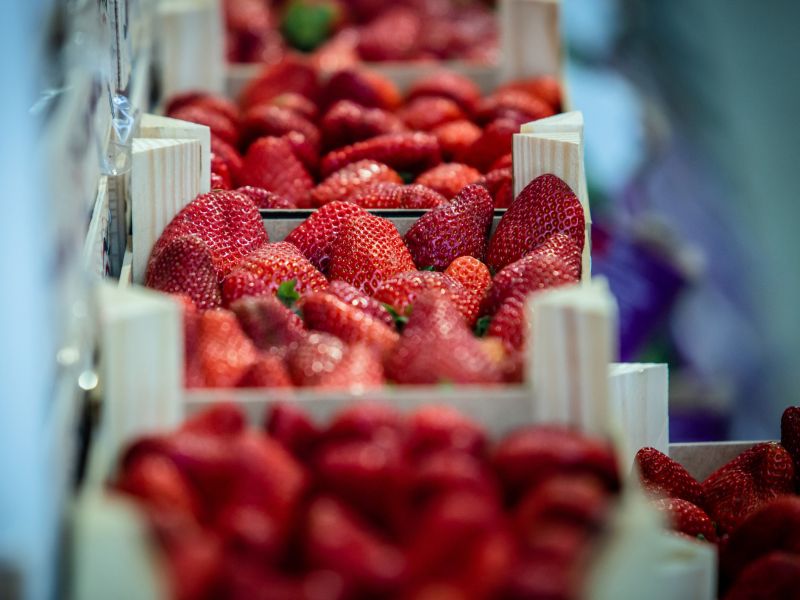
160	127
530	38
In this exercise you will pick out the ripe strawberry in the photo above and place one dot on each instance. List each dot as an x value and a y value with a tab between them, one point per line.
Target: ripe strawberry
476	279
224	419
564	247
578	500
420	196
350	295
262	273
346	123
184	265
495	141
270	164
289	75
223	175
449	178
437	346
268	371
339	52
455	137
776	575
446	471
319	361
266	321
458	228
773	527
510	325
367	420
535	453
545	87
401	291
790	435
394	35
297	103
379	195
500	183
512	103
359	370
218	183
687	518
367	251
265	199
507	160
267	120
448	84
350	178
663	477
224	351
739	487
304	150
210	102
428	112
434	428
158	484
293	428
314	237
230	156
363	87
249	534
220	125
546	206
413	152
326	312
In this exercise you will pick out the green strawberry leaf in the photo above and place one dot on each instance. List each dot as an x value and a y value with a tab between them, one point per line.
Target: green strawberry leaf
399	320
482	325
307	25
287	293
431	268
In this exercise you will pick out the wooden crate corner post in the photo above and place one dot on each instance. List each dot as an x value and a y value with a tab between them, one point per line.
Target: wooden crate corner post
530	38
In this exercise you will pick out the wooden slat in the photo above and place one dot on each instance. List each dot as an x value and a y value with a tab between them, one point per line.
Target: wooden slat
531	38
159	127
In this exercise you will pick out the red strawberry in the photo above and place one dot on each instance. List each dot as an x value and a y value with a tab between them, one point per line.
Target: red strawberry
288	75
579	500
773	527
264	199
325	312
267	120
535	453
437	346
340	184
208	101
546	206
350	295
458	228
293	428
394	35
507	160
184	265
776	575
324	361
456	137
412	152
739	487
270	164
268	371
220	125
249	533
495	141
314	236
476	279
446	471
347	123
379	195
564	247
663	477
266	321
366	88
500	183
510	325
297	103
545	87
367	251
449	178
447	84
687	518
790	435
304	150
434	428
218	183
158	484
420	196
512	103
230	156
223	175
401	291
224	419
338	52
371	421
224	351
428	112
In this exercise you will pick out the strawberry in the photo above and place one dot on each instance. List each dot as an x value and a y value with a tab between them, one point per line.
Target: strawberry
565	248
420	196
293	428
790	435
500	183
226	222
456	137
773	527
324	361
218	183
350	295
271	164
268	323
219	124
663	477
449	178
262	272
429	112
776	575
458	228
325	312
219	168
401	291
578	500
350	178
225	352
264	199
512	103
687	518
520	279
535	453
338	53
224	419
510	325
447	84
434	428
413	152
392	195
346	123
392	36
495	141
366	88
267	120
739	487
288	75
184	265
268	371
545	87
248	533
230	156
158	484
370	421
437	346
546	206
476	279
210	102
298	103
314	236
367	251
303	149
507	160
445	471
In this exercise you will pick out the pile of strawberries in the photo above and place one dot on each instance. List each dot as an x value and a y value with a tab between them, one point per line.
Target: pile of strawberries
375	505
295	141
344	32
748	506
346	302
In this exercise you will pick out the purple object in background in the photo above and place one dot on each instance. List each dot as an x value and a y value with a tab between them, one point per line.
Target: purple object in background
644	282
